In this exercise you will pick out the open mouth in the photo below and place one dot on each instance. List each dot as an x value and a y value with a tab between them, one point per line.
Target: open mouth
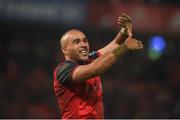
83	51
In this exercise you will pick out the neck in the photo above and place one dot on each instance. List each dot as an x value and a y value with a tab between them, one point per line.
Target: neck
79	62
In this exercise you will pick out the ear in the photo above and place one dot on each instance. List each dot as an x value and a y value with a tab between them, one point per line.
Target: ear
64	50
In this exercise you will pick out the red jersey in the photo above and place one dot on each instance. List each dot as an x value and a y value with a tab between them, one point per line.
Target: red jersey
77	100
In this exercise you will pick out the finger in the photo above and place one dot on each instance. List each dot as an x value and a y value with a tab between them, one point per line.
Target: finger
123	14
139	47
140	42
122	25
126	16
123	18
122	21
129	19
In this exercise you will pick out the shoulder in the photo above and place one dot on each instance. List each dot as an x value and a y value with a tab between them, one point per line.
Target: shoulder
64	70
66	64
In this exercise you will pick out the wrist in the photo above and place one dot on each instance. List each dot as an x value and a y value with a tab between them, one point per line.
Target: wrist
124	32
120	50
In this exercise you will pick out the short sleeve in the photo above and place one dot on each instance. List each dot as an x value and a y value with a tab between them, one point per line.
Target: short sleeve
64	71
94	55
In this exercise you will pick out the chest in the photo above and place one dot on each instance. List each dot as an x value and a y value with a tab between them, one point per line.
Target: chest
93	86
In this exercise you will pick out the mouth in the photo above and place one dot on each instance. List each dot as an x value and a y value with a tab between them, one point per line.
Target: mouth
83	51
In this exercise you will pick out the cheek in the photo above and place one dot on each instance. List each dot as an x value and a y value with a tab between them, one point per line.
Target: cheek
72	52
88	47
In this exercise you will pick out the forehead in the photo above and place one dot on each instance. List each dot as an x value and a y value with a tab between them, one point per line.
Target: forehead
71	35
75	35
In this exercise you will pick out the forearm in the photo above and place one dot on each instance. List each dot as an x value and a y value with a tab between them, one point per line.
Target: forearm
121	36
104	62
99	65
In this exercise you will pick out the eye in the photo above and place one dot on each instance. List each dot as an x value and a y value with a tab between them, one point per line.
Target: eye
85	40
76	41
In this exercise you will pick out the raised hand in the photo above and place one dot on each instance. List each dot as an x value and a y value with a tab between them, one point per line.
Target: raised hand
133	44
124	21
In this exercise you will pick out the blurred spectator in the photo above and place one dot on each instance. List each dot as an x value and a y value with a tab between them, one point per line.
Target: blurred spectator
136	87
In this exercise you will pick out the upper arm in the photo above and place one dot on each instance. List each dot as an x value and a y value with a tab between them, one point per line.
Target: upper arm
73	72
83	72
64	72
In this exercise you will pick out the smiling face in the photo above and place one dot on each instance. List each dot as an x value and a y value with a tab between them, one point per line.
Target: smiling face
75	46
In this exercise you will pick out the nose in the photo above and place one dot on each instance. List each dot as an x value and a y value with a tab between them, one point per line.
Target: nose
82	43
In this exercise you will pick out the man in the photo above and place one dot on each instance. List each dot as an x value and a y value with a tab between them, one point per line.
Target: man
77	83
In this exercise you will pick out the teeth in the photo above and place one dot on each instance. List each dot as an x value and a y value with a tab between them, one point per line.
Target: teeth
83	51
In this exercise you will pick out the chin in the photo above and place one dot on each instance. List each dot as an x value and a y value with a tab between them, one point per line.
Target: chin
84	58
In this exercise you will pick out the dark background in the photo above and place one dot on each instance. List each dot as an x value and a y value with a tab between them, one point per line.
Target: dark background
137	86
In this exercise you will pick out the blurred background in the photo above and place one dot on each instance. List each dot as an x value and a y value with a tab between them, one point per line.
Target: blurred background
143	84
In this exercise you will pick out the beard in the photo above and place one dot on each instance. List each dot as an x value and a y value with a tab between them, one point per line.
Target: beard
78	57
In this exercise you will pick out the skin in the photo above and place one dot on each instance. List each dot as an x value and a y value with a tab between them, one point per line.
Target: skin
73	43
75	46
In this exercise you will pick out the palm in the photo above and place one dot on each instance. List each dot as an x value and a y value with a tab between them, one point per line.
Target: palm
133	44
